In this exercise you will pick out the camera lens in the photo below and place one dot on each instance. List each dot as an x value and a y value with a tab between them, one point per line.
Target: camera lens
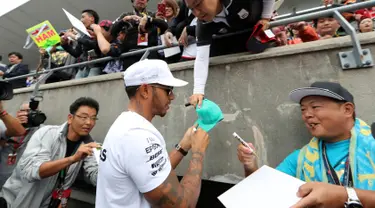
38	119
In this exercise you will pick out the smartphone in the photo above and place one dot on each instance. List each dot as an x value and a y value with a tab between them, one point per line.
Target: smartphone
161	8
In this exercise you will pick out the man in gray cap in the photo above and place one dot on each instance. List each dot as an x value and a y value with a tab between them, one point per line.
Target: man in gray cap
341	151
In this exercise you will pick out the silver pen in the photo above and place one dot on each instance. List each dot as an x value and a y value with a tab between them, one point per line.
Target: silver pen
235	135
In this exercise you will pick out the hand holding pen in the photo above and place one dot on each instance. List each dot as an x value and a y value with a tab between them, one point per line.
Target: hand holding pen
246	155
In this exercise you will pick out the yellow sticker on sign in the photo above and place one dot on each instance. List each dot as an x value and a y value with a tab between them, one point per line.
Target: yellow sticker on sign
44	35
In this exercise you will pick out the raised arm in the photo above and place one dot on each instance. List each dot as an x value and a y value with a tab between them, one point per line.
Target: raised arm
201	63
13	126
171	193
103	44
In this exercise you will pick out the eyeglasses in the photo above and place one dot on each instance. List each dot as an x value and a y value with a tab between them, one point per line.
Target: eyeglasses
85	118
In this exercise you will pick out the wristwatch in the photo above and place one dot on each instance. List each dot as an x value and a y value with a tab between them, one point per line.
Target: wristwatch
353	200
179	148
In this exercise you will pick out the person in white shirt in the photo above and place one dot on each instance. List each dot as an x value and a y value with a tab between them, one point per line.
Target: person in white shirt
135	170
222	17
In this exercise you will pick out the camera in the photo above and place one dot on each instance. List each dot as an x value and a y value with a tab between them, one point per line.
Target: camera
6	91
35	117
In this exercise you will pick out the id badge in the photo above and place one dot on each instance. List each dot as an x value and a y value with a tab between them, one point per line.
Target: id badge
62	195
12	159
59	194
65	197
142	39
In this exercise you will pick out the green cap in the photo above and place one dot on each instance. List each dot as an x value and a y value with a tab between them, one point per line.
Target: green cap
209	115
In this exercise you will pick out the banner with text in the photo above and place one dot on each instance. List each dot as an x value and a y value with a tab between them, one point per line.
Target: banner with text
44	35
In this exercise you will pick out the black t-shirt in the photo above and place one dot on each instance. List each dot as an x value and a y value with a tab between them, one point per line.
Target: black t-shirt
240	15
71	147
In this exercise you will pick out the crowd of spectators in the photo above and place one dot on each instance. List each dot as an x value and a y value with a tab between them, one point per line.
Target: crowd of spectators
173	22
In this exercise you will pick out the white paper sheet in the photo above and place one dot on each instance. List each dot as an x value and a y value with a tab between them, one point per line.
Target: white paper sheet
8	6
76	23
266	187
96	154
170	51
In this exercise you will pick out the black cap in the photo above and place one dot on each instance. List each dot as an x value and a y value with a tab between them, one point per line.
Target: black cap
325	89
6	91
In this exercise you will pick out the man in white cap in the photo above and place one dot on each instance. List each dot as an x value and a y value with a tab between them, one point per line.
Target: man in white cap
135	169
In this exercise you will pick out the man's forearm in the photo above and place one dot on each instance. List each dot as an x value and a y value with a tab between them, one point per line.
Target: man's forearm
51	168
104	45
14	127
172	194
367	198
192	180
201	68
175	157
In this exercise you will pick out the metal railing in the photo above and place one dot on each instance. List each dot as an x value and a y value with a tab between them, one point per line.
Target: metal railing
306	16
315	9
299	16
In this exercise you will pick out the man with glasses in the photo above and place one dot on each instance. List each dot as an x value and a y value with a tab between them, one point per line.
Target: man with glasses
135	169
52	160
13	147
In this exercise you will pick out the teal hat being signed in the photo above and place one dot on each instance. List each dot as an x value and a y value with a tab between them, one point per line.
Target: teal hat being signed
209	115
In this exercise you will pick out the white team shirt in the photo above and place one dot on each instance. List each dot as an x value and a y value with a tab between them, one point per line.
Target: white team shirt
133	161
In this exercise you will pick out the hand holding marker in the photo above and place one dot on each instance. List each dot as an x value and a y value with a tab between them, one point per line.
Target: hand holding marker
235	135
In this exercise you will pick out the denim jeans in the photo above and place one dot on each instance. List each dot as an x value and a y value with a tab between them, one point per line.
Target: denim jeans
88	72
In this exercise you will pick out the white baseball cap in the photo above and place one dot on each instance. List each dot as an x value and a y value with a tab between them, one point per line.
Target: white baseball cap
151	71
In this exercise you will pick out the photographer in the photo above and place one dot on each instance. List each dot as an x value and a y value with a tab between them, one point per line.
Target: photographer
9	126
145	32
53	159
14	147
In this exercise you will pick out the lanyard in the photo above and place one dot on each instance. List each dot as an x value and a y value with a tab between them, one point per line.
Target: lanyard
19	141
331	173
62	173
